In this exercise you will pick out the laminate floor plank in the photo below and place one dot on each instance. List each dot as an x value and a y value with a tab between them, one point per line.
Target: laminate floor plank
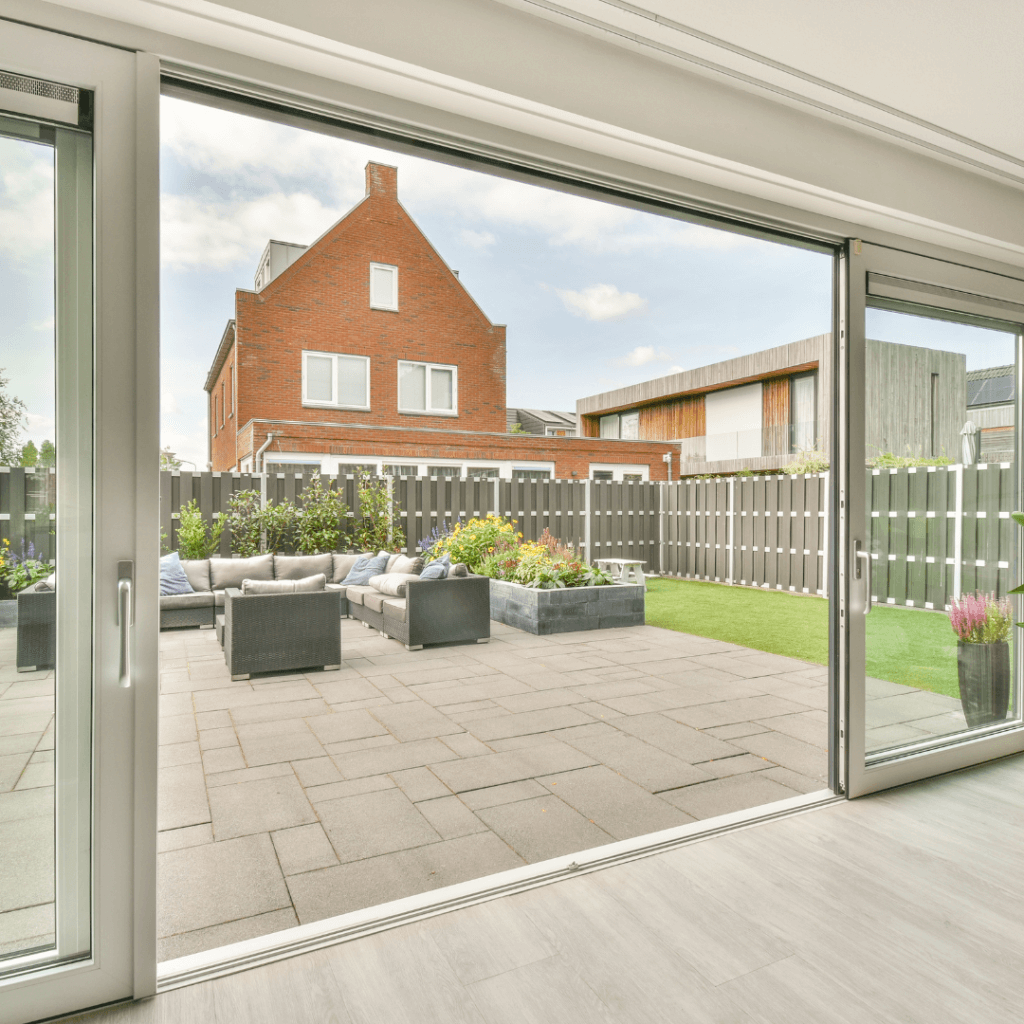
901	908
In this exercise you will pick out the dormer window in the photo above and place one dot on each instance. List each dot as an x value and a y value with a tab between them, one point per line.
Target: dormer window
383	286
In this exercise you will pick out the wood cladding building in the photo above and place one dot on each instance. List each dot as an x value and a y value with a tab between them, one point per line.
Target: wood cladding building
759	411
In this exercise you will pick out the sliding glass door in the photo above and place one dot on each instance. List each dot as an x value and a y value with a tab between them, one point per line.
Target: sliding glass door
934	475
74	669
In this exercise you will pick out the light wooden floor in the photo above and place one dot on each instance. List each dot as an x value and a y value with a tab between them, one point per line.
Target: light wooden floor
904	907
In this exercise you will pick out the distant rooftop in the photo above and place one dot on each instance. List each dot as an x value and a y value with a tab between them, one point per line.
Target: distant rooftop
991	386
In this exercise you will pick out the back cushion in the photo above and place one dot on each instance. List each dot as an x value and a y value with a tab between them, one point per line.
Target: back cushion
393	583
391	560
310	584
405	564
297	567
343	564
229	572
198	572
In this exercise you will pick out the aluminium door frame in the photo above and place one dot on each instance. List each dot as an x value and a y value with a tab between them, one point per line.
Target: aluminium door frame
122	324
881	276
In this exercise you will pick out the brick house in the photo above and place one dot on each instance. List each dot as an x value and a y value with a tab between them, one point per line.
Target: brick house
364	350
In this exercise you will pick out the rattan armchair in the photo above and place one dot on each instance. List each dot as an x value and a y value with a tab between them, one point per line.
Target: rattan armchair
37	629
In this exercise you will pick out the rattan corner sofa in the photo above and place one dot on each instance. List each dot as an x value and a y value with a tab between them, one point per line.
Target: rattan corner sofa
37	628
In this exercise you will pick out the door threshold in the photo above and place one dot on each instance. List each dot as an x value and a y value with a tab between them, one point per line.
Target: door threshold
266	949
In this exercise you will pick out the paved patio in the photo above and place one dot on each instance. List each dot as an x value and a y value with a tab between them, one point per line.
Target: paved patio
287	799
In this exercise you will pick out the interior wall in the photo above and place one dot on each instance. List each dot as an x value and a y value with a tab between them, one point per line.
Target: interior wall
615	112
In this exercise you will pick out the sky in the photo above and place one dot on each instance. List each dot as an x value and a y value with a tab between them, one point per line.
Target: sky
594	296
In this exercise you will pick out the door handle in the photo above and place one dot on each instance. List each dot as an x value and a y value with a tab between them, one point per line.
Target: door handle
125	620
863	571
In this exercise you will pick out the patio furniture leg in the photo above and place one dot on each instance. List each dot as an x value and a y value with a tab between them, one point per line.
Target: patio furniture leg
244	675
331	668
26	668
207	625
483	639
414	647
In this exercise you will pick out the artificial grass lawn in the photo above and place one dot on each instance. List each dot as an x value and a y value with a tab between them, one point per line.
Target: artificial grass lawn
904	645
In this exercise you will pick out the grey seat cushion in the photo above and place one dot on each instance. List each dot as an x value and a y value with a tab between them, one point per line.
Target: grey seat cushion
374	600
229	572
218	598
343	564
335	586
393	583
355	594
198	572
394	608
299	567
173	601
310	584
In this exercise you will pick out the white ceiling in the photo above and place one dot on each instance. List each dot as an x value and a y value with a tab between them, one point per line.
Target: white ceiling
947	73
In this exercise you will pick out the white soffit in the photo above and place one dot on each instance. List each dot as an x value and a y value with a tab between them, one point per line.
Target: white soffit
912	73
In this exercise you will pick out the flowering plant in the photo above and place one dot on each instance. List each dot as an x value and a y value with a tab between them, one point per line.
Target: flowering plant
21	572
473	541
981	618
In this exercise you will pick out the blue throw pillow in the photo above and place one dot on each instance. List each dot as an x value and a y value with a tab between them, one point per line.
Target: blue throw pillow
437	570
364	568
172	576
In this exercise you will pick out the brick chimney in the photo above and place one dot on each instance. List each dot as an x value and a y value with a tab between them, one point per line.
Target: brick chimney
381	180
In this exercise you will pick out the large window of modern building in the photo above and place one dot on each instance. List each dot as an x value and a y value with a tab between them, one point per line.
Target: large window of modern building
802	412
623	425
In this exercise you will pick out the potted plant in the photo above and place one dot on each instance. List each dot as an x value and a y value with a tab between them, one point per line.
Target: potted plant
982	625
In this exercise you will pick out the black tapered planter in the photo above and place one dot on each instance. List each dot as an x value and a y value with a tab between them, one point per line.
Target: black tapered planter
984	671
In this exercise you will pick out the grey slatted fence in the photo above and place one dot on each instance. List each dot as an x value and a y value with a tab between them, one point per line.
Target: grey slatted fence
27	501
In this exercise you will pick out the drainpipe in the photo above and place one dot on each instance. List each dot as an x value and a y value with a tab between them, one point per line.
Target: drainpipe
256	462
667	457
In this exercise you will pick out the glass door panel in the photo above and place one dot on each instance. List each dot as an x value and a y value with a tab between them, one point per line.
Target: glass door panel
932	478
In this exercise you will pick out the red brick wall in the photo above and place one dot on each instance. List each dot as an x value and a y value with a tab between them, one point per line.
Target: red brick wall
222	438
569	454
322	303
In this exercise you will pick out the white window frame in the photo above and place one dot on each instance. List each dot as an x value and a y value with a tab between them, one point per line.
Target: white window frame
314	403
618	469
453	411
394	270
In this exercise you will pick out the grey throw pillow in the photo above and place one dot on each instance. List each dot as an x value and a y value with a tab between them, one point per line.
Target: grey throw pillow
406	564
364	569
311	584
437	570
458	569
172	576
198	572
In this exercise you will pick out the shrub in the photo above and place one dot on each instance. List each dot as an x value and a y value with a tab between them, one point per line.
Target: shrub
473	541
246	523
195	538
887	460
319	527
279	521
814	460
981	618
379	526
21	572
545	565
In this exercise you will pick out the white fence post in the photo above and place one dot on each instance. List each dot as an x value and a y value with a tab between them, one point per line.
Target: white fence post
731	513
662	545
958	534
586	521
823	550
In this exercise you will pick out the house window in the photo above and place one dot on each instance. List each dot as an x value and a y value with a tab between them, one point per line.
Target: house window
223	404
213	411
305	468
383	286
802	412
560	432
482	472
336	380
603	474
428	388
622	425
231	391
357	468
444	470
395	470
531	474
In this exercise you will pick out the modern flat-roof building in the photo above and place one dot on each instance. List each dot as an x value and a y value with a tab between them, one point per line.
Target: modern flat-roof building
991	401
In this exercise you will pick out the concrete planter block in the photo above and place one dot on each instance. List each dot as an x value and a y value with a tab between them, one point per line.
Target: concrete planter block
564	611
8	614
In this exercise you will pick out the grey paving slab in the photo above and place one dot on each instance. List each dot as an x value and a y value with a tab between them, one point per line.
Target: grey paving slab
316	771
605	689
730	732
265	771
269	742
346	725
36	774
181	797
264	805
543	827
738	764
28	928
177	728
537	700
678	740
620	807
337	790
367	883
237	695
210	739
787	752
648	766
218	882
20	743
465	745
26	853
415	721
343	691
809	726
274	712
212	719
420	784
374	823
794	780
179	753
509	793
450	817
187	943
736	793
512	766
394	758
182	838
731	712
11	767
475	688
223	759
528	722
26	803
303	848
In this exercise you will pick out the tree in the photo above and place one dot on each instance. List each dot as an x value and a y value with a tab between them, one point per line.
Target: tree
47	455
29	455
516	428
12	416
168	460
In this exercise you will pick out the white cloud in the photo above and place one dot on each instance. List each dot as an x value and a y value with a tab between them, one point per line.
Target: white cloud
674	369
26	199
644	354
44	325
39	427
477	239
601	302
197	233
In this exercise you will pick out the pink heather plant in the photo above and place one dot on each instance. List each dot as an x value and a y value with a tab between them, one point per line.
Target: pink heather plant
981	618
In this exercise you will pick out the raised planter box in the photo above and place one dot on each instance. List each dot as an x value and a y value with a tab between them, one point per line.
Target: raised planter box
563	611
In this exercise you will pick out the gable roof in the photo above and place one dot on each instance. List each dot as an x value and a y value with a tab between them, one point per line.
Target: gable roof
992	386
227	339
